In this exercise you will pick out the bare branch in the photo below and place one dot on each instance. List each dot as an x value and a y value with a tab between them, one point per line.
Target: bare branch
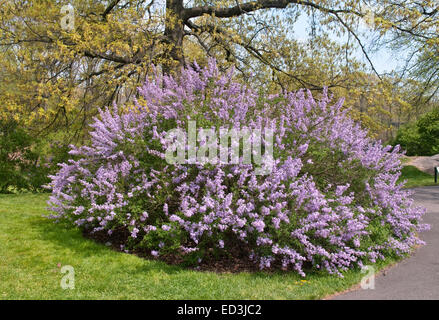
110	7
363	49
247	7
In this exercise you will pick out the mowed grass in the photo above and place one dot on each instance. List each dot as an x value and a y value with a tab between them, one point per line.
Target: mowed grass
32	248
416	177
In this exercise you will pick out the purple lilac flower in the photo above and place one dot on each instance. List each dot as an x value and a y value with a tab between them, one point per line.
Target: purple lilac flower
108	185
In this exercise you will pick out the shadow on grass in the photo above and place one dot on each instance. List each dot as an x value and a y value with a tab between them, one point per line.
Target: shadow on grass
70	239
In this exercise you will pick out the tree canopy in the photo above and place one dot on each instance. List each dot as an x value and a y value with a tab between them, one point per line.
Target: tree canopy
60	62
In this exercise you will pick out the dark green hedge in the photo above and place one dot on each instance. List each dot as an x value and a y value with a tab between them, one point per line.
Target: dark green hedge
422	137
22	166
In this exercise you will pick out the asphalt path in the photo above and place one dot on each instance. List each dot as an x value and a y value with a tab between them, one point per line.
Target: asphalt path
416	277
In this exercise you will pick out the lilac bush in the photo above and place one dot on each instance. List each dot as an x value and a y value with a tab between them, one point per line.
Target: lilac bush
331	201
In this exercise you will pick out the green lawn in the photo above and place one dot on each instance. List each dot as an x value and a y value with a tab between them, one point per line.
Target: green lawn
32	248
416	177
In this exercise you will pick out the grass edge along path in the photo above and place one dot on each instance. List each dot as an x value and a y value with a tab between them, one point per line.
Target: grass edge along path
33	249
415	177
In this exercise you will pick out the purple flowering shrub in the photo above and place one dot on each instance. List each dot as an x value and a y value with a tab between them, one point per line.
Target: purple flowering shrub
331	201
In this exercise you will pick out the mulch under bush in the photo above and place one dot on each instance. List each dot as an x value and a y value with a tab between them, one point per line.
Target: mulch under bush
237	261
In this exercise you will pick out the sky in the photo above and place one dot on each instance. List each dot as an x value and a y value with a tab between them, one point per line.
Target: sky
384	60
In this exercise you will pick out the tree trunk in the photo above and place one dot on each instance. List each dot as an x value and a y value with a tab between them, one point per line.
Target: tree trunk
174	32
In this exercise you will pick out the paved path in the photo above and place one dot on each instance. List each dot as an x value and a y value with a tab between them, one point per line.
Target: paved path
426	164
418	276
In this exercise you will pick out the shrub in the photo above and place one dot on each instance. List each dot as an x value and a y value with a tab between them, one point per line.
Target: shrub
330	202
409	139
420	138
16	157
23	165
51	151
428	127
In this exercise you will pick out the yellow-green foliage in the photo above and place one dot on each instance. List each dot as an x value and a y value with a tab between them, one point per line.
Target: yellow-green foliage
54	77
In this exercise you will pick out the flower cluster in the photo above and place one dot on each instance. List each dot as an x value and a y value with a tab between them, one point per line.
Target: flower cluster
331	200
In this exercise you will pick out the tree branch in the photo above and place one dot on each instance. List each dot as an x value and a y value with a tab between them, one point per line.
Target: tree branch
363	49
110	7
247	7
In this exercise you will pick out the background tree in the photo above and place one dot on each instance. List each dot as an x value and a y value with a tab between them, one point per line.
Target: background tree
54	77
